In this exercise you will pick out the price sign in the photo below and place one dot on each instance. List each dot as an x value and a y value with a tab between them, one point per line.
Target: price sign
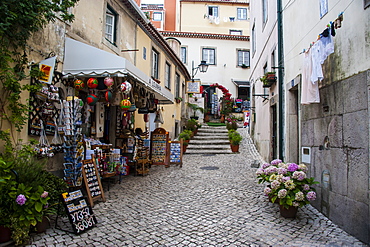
79	213
92	181
158	151
175	152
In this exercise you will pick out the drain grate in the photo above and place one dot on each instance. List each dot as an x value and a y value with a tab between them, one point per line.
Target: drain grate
209	168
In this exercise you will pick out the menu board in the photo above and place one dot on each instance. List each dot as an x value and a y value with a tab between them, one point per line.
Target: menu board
79	213
158	150
175	152
92	181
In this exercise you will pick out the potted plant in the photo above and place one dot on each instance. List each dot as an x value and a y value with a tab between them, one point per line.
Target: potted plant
231	123
268	79
288	183
195	108
178	100
185	137
235	138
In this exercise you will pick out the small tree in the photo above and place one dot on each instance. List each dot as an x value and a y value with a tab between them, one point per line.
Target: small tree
195	108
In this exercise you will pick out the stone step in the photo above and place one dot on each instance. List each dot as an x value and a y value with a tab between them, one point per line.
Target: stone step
207	147
208	137
208	151
209	141
211	133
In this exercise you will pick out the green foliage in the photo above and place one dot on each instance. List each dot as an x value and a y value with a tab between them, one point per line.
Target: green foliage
19	20
195	108
234	137
185	135
192	125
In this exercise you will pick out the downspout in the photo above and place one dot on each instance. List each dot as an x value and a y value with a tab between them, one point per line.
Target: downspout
280	79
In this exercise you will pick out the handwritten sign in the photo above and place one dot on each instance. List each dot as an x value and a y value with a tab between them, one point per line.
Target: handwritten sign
159	139
79	213
92	181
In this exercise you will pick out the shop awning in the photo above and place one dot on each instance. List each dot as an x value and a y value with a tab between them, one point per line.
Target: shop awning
82	60
242	83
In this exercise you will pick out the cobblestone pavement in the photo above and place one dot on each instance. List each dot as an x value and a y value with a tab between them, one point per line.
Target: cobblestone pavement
190	206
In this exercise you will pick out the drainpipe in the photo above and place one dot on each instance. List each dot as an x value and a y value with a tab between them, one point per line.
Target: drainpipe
280	79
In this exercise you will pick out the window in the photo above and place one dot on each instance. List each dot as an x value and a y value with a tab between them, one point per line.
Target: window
253	39
208	55
242	13
243	58
264	11
323	7
366	3
236	32
177	86
183	55
213	11
110	24
168	76
273	64
144	53
157	16
155	60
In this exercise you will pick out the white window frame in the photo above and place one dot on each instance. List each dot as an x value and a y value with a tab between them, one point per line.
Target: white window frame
242	13
244	58
184	55
177	85
254	39
156	15
236	32
110	25
264	11
155	64
167	75
209	55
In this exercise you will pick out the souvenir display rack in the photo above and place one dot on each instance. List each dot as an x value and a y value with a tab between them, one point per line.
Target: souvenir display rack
142	161
159	146
175	150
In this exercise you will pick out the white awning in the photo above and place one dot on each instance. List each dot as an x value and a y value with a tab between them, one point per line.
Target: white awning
83	60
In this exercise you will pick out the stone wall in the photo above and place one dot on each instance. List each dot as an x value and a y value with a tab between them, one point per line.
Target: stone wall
337	130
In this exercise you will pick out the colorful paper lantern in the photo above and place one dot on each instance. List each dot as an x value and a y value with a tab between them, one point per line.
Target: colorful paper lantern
92	83
126	87
125	104
108	96
108	81
123	86
79	85
92	99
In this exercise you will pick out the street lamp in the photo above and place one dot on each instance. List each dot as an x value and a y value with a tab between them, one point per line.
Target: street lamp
202	67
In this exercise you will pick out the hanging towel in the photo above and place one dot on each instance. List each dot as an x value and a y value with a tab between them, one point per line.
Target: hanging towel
309	90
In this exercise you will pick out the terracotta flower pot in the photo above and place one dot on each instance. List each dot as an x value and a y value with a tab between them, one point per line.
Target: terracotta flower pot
290	212
5	234
43	225
234	148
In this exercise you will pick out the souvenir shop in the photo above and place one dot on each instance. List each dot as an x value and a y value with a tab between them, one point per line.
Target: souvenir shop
84	114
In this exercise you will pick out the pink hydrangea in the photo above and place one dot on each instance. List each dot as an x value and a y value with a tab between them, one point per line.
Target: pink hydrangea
282	193
306	187
21	199
292	167
281	170
275	162
267	191
264	166
45	194
299	175
311	196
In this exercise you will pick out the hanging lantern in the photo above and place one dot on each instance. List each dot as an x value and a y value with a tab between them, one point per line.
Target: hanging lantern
79	84
108	81
108	96
92	83
92	99
125	104
126	87
123	86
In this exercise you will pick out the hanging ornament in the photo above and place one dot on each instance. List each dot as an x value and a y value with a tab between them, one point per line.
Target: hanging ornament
108	96
92	83
108	81
92	99
126	87
125	104
79	84
123	86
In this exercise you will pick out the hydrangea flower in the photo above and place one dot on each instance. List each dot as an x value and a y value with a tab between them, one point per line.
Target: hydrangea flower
299	175
260	171
292	167
284	179
267	191
282	193
276	161
264	166
303	167
299	196
295	204
282	170
275	184
21	199
311	195
306	187
290	184
272	177
45	194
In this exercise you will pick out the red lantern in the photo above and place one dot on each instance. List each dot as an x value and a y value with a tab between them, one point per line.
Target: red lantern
92	99
108	96
125	104
79	84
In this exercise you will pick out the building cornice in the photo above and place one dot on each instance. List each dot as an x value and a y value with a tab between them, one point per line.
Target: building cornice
216	2
204	35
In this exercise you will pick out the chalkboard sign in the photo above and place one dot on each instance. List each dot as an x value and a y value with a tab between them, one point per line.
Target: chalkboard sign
176	152
158	150
92	181
79	213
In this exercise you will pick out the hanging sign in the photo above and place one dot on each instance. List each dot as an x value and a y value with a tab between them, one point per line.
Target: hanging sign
92	181
47	67
193	86
158	150
79	213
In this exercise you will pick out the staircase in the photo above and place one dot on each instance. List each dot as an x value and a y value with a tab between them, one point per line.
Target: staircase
210	140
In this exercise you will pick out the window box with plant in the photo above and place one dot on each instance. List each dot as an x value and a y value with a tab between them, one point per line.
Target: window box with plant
268	79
